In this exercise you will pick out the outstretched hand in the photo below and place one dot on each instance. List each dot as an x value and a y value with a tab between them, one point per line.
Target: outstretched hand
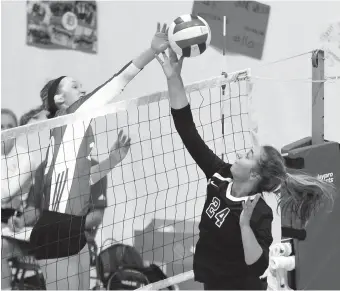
121	147
247	212
172	66
160	40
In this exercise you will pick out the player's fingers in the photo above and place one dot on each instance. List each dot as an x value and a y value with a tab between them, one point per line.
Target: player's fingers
165	56
158	27
248	203
172	54
124	138
167	32
243	205
128	142
159	59
164	28
257	197
181	59
120	134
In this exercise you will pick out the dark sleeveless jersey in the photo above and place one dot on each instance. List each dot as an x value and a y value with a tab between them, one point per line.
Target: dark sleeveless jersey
219	251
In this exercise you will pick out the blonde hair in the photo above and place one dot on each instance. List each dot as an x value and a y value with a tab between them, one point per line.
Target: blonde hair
301	194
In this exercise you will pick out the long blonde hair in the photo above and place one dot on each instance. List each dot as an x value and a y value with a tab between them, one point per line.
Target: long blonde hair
301	194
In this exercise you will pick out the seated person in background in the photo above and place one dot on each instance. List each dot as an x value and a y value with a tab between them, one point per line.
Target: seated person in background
17	173
15	241
34	115
16	166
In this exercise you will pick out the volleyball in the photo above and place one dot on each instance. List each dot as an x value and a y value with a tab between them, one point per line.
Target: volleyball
189	35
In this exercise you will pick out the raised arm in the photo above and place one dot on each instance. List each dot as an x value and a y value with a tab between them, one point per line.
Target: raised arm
208	161
117	153
105	93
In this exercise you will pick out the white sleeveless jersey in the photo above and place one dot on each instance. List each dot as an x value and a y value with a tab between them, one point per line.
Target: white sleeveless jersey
67	173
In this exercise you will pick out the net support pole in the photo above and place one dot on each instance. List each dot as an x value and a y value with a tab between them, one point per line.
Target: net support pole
318	94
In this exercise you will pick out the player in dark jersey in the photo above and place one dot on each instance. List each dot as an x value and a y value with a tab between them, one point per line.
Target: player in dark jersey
235	227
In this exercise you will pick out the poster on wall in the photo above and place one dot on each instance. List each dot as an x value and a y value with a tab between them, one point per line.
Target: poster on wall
62	25
330	43
246	25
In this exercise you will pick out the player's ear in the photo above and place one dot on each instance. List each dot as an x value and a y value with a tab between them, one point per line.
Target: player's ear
59	99
254	175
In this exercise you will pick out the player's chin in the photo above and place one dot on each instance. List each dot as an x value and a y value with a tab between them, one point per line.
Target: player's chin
236	171
232	168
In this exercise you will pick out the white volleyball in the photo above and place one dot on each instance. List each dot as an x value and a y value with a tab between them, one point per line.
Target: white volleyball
189	35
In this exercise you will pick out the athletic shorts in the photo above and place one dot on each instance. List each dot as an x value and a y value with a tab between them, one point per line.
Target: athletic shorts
58	235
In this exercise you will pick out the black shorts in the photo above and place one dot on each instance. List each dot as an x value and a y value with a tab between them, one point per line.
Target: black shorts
57	235
239	283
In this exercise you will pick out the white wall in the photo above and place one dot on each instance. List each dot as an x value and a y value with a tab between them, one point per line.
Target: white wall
125	28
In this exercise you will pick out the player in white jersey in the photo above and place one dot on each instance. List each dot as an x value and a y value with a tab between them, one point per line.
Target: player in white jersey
65	187
17	248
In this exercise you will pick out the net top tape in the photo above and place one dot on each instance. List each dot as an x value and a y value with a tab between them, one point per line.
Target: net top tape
161	285
122	105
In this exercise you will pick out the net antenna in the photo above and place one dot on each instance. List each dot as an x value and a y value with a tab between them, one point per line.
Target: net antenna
318	97
224	70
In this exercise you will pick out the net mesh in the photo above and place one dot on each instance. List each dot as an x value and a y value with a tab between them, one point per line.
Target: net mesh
156	194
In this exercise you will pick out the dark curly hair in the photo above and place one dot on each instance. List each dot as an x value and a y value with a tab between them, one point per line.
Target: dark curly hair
47	94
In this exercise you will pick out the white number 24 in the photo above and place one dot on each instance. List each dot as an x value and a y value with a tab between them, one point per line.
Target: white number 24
221	215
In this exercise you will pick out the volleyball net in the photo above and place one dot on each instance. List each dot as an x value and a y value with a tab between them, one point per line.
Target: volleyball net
156	194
